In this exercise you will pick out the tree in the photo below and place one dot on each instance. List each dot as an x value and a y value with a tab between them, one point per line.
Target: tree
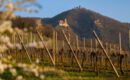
8	7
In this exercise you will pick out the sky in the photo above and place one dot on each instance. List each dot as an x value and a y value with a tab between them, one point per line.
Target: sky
116	9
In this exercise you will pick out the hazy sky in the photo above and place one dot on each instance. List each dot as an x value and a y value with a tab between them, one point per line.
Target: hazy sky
117	9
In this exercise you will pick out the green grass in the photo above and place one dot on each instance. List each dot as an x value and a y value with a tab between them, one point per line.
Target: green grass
75	74
85	75
73	71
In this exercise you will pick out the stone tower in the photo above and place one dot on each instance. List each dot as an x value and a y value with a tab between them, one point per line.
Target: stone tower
80	7
63	23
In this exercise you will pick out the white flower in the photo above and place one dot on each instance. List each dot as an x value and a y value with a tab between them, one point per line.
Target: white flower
22	65
9	57
13	71
18	46
1	79
19	64
3	48
42	76
10	5
11	46
40	44
19	78
5	66
36	74
31	45
34	70
1	68
4	39
37	61
10	66
5	26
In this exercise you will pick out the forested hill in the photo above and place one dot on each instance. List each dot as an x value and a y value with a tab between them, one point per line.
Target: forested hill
84	21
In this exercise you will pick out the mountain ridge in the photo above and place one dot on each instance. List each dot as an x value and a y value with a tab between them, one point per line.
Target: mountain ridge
84	21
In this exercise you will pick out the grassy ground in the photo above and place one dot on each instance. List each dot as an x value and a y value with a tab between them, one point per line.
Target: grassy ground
72	71
92	76
60	72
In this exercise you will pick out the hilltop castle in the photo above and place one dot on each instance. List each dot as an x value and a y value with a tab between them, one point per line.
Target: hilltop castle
79	7
63	23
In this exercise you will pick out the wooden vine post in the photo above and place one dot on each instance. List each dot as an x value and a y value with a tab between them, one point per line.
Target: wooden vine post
107	47
91	45
129	39
96	44
69	38
22	38
21	41
110	47
77	42
114	48
120	59
31	40
84	43
63	44
46	48
77	61
77	47
120	42
54	47
106	54
14	41
91	50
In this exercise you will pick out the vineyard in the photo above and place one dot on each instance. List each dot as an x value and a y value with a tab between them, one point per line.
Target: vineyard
84	58
78	44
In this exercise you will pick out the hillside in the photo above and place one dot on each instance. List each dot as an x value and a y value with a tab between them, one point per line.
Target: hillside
83	22
30	24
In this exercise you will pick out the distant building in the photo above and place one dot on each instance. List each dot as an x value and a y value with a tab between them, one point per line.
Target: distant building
79	7
63	23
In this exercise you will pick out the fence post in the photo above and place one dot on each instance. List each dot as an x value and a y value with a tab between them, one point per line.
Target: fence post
46	48
84	44
106	54
129	39
21	41
91	45
77	42
54	50
120	42
96	44
77	61
56	46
